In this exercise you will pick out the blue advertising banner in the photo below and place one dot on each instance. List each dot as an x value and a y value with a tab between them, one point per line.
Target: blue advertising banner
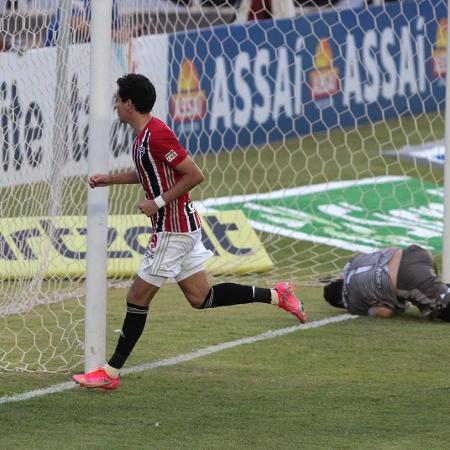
248	84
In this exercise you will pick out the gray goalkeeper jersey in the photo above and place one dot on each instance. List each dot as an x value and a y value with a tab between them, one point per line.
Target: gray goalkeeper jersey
367	283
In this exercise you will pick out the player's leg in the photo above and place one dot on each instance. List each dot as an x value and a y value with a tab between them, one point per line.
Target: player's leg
417	276
139	297
146	284
201	295
138	300
193	281
445	312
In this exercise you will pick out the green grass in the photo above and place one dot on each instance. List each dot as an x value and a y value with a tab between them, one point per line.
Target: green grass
328	156
366	384
359	384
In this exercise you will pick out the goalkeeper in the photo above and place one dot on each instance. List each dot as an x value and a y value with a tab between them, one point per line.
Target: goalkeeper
385	282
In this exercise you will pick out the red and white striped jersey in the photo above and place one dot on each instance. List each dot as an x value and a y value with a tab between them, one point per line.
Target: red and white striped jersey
156	153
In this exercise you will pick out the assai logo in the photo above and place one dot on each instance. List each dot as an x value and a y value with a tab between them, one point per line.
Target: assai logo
440	50
324	80
190	101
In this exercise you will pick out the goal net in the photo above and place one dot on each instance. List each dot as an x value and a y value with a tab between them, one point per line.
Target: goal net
320	133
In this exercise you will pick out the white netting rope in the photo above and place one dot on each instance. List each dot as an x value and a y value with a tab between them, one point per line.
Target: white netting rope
323	129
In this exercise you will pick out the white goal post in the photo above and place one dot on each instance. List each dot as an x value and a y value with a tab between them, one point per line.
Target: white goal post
446	234
321	134
97	204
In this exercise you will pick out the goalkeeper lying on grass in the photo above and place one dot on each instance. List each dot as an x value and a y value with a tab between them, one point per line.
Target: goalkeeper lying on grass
384	283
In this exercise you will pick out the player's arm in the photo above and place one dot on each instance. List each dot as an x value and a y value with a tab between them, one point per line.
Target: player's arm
191	176
108	179
381	311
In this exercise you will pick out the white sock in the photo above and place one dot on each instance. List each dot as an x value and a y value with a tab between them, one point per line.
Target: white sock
274	295
111	371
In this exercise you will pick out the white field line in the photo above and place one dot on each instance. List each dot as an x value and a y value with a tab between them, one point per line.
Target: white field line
204	205
185	357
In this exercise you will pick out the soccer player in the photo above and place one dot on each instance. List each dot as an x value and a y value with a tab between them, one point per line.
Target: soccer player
383	283
167	174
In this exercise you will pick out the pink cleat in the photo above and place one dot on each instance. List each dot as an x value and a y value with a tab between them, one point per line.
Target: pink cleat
97	379
289	302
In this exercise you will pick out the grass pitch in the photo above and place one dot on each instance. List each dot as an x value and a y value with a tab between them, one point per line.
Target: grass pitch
359	384
365	384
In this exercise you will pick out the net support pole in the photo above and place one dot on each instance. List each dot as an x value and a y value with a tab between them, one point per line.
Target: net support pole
97	204
446	234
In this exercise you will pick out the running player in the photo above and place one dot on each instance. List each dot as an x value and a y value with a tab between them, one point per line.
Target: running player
167	174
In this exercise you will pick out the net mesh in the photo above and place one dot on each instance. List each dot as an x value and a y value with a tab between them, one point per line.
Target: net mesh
324	130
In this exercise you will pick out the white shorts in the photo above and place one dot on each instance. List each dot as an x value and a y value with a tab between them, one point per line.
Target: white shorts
173	255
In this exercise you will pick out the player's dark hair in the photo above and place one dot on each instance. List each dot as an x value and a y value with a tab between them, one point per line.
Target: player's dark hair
139	89
332	293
